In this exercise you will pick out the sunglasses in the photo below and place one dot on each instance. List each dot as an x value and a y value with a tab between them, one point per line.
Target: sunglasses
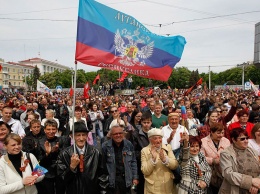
113	111
224	110
243	138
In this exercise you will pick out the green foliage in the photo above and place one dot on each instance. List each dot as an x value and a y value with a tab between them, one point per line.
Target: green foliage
36	75
181	77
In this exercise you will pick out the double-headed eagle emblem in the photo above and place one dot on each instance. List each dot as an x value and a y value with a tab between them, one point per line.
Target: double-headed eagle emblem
133	50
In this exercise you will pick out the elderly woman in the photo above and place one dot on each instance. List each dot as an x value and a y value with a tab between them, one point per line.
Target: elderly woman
5	129
157	163
254	143
211	147
239	165
195	170
15	169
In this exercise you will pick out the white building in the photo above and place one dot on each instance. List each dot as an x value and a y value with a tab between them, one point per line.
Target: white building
12	75
44	65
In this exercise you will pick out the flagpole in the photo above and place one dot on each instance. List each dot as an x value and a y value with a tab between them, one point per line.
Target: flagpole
73	107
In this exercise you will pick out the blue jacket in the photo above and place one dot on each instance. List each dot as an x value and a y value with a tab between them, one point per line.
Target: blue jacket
129	162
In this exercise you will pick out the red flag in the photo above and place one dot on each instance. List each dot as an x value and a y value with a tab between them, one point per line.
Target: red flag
150	92
1	67
199	82
96	79
71	91
86	89
124	75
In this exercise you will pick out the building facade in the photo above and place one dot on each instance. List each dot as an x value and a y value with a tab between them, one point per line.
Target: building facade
44	66
12	76
257	45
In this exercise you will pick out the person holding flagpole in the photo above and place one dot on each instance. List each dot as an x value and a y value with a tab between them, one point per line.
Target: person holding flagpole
80	171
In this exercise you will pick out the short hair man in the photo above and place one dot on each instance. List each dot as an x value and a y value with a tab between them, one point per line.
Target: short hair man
158	119
16	125
119	158
81	170
50	146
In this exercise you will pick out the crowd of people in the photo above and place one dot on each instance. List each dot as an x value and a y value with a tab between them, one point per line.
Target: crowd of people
203	143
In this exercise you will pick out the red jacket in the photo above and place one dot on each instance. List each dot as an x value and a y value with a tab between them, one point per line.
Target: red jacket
249	127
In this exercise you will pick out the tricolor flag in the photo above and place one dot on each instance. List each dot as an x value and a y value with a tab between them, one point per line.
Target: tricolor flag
111	39
86	89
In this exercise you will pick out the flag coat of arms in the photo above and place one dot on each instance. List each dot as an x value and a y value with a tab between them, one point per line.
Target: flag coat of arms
111	39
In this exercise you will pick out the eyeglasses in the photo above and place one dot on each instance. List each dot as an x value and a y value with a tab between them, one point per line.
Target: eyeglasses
113	111
243	138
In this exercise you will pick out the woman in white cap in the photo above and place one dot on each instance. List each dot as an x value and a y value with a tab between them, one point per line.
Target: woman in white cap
158	161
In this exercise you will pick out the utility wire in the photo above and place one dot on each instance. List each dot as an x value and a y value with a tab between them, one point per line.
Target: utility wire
199	19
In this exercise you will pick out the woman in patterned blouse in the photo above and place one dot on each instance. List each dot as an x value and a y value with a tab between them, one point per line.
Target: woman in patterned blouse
195	171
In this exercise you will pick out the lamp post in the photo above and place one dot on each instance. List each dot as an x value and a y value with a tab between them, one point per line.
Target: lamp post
243	73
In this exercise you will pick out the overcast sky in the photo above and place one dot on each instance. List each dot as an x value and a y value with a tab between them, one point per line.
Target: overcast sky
220	42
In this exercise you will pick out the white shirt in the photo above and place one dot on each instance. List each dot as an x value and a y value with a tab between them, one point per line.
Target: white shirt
16	127
81	151
175	142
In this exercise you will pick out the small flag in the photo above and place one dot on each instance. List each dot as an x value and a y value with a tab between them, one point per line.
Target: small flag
71	91
41	87
199	82
96	79
86	89
122	78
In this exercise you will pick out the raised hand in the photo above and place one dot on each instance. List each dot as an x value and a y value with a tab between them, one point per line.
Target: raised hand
74	161
55	148
47	147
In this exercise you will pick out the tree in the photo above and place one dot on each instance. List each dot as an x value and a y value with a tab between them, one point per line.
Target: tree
36	75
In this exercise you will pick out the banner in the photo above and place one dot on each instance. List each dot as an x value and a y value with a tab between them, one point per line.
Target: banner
111	39
41	87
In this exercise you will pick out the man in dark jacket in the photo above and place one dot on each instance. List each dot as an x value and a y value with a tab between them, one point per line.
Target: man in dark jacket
62	113
80	171
121	166
50	147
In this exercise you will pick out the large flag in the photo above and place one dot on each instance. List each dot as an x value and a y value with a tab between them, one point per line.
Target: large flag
199	82
256	90
122	78
41	87
96	79
86	89
111	39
